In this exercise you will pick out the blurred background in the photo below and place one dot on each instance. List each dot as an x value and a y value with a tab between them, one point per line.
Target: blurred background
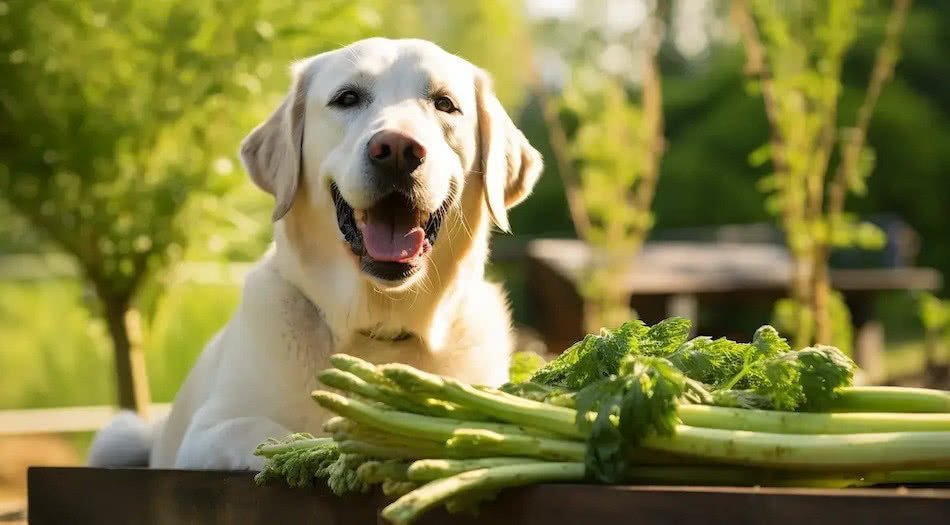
707	158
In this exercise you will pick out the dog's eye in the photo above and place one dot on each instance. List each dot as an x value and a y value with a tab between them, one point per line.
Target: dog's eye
346	99
445	104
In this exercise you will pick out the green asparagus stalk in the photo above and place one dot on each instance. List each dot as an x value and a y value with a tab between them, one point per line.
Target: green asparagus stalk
373	472
406	423
474	443
408	508
890	399
843	452
384	451
394	397
433	469
502	406
396	489
809	423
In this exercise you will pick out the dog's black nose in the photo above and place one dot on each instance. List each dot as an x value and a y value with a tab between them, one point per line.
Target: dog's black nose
395	153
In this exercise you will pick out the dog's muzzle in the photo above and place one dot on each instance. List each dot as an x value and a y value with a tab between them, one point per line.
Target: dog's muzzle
391	237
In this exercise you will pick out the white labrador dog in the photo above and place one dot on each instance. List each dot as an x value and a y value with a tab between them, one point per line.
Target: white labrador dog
388	160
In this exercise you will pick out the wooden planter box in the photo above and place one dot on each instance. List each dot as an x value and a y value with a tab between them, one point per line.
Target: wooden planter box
80	496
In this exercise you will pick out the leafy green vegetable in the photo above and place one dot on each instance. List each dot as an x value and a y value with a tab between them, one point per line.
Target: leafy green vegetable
523	366
709	360
593	358
642	399
823	371
766	343
762	374
634	404
663	338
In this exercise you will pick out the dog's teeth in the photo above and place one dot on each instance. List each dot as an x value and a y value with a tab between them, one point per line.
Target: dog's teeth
360	216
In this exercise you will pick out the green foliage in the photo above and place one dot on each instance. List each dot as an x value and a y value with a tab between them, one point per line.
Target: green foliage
59	352
765	373
594	358
663	338
805	44
606	145
642	399
64	358
107	136
707	360
934	313
784	317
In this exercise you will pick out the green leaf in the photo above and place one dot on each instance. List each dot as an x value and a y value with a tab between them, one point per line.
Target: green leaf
593	396
665	337
643	399
760	155
823	370
592	359
767	342
777	379
604	460
710	361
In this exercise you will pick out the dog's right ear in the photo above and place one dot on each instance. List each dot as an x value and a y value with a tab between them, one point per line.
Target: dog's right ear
271	153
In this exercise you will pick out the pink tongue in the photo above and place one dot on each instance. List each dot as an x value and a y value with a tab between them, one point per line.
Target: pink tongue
389	243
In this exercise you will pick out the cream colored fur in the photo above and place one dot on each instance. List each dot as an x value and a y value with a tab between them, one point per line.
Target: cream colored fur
308	298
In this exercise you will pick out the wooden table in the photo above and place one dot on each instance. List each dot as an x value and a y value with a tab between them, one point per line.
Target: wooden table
675	277
81	496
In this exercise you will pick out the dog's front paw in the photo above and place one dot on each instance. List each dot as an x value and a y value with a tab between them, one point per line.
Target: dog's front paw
220	459
228	445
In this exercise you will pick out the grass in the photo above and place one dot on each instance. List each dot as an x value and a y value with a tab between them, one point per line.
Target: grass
61	351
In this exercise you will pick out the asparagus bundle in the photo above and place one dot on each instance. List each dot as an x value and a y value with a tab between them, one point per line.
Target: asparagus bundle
633	405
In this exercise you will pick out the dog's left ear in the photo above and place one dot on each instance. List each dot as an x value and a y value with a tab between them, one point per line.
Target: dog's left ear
510	165
271	152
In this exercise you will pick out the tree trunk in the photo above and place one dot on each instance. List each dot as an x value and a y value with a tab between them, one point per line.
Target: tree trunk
821	289
131	381
801	295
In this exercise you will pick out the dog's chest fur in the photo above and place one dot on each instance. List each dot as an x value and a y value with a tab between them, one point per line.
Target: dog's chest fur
477	350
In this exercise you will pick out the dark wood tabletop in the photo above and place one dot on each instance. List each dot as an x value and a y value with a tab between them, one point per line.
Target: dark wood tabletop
81	496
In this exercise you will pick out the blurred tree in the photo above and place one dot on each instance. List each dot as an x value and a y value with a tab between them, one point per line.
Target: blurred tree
116	118
935	315
607	149
795	53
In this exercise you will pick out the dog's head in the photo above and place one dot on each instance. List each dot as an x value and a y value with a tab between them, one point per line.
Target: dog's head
386	136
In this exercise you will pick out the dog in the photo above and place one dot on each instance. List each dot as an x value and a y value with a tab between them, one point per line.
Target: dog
389	162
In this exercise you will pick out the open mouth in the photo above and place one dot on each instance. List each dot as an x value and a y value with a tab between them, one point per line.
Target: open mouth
392	236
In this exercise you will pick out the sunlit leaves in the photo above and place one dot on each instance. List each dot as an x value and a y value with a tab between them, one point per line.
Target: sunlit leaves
113	115
609	150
